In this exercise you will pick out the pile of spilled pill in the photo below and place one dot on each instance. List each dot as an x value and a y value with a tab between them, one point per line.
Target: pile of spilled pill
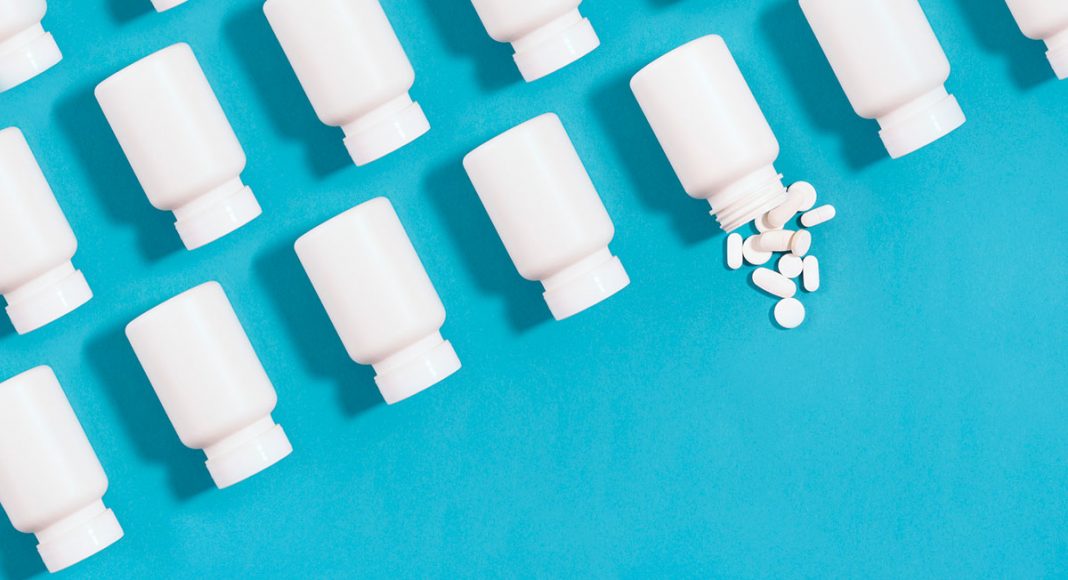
790	246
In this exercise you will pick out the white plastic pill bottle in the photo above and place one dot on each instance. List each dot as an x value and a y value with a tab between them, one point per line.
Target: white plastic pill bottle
51	482
211	383
354	71
26	50
891	66
712	130
379	298
37	278
546	35
548	214
180	144
1045	20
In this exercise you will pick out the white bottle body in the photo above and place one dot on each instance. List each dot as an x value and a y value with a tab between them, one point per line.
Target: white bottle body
712	130
378	296
890	65
26	50
546	209
210	381
36	242
1045	20
51	482
179	143
354	70
546	34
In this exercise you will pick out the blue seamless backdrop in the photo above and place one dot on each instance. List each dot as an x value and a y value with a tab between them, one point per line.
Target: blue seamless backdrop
914	426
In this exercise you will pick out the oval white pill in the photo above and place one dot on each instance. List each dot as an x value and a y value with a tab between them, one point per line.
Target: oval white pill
800	243
774	283
752	255
790	266
777	217
773	241
821	214
806	192
734	251
810	275
789	313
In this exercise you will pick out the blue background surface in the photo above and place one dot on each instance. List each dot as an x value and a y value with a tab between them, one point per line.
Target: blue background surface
915	426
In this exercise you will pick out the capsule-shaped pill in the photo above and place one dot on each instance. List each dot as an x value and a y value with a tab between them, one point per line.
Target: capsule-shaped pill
774	283
810	275
785	211
734	251
821	214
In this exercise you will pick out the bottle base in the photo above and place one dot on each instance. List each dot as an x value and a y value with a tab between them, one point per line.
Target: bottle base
555	46
413	373
385	130
80	536
250	454
923	126
48	298
37	53
593	281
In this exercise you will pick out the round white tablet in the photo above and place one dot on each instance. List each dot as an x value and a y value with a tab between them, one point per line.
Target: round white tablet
791	266
752	255
789	313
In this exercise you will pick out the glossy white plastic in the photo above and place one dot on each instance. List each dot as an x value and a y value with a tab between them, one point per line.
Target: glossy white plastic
712	130
51	482
1045	20
211	383
379	298
180	144
547	35
37	278
891	67
26	50
354	71
162	5
548	214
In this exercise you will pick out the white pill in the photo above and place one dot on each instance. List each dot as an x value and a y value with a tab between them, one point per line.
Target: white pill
762	224
806	192
810	275
773	241
800	243
774	283
752	255
821	214
789	313
734	251
790	266
777	218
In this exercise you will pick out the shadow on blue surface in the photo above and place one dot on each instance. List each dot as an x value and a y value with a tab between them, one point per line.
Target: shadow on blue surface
642	158
308	325
485	258
811	78
18	554
123	11
458	24
113	361
996	31
280	92
113	181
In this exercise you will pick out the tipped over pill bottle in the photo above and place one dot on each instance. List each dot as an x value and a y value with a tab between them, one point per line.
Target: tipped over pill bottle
546	35
891	66
51	482
37	278
712	130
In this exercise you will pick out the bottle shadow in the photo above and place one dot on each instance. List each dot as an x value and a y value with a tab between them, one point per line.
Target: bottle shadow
109	174
484	256
641	156
459	25
113	361
996	31
307	323
277	87
123	11
18	554
811	78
